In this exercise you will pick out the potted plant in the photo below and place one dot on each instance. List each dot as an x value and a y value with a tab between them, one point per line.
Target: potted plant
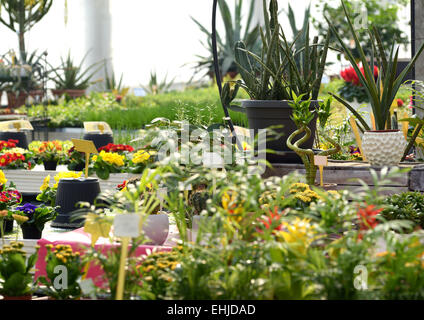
49	153
62	255
9	197
15	271
271	79
37	216
106	163
383	146
73	80
302	116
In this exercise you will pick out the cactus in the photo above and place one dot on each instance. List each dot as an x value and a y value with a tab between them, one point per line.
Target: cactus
276	74
302	116
198	201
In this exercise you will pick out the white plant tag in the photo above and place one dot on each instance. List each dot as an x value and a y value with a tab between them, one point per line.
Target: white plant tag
126	225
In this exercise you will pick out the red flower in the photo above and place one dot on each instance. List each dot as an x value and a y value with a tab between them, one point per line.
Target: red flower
116	148
399	102
349	75
367	217
271	220
122	185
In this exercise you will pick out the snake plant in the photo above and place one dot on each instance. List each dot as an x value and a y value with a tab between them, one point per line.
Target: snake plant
278	72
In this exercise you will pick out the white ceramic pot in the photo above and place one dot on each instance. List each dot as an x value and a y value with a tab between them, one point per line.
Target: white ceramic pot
384	148
156	228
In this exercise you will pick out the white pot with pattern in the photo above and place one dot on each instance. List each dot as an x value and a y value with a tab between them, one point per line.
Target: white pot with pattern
384	148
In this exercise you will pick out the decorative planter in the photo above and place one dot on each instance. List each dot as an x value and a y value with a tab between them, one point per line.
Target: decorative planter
16	101
263	114
30	231
71	93
50	165
156	228
383	148
99	139
8	225
19	135
69	193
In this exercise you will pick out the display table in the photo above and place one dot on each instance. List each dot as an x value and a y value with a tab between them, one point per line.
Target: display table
80	241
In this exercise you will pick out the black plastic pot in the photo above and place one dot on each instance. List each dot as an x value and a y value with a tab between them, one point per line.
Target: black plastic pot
20	136
50	165
30	231
99	139
263	114
8	225
69	193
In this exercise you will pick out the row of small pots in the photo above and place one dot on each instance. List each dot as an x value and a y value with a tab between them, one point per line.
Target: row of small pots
17	100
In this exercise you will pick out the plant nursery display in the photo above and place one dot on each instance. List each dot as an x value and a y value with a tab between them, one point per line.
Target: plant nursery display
37	217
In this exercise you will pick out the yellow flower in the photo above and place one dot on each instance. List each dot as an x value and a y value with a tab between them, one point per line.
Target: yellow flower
94	158
299	187
45	184
140	157
111	158
66	174
19	219
3	179
300	233
230	205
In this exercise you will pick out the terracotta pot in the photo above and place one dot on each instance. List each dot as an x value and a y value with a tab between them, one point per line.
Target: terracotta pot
72	93
16	101
384	148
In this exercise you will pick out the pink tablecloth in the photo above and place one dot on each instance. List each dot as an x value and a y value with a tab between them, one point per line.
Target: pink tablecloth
80	241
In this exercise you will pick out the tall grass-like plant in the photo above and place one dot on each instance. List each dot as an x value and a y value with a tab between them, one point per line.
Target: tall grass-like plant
382	92
281	70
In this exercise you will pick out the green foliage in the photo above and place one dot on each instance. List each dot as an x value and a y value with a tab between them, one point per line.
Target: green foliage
155	86
235	30
197	106
382	92
281	70
380	14
15	270
406	206
72	76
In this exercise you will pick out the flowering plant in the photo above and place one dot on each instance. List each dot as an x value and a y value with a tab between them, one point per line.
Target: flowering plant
16	159
353	88
116	148
37	215
11	143
139	161
48	151
62	255
48	194
15	270
106	163
75	159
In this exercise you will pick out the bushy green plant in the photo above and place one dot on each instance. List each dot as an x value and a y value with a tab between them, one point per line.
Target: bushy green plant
15	270
405	206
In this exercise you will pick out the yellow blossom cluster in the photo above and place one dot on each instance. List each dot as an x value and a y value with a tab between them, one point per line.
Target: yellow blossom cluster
110	157
63	252
45	184
65	174
141	156
158	264
229	203
14	247
303	192
3	179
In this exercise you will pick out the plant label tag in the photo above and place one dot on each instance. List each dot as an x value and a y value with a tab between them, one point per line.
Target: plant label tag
321	161
213	160
86	146
126	225
87	286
